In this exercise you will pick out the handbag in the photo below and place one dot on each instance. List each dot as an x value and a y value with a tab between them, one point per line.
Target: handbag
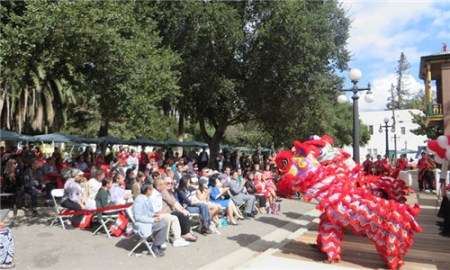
85	222
119	226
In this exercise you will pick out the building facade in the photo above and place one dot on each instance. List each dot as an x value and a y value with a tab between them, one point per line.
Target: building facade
435	69
402	140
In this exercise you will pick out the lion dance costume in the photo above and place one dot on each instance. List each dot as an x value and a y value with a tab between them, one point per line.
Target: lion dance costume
348	199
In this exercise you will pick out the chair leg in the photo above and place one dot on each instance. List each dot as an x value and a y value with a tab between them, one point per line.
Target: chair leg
150	248
142	240
103	226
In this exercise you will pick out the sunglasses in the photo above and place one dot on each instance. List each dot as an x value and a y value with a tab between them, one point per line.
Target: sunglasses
169	183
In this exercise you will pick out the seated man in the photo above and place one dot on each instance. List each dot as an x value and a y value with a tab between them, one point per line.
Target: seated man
93	186
147	222
240	197
180	234
103	198
32	182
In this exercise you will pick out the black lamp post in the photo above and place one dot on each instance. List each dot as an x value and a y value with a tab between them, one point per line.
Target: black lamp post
386	129
355	75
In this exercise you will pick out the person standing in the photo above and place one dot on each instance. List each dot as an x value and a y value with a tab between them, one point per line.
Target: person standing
401	165
426	172
378	166
368	165
203	159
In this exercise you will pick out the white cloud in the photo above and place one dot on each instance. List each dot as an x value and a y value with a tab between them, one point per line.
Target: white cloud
381	30
380	88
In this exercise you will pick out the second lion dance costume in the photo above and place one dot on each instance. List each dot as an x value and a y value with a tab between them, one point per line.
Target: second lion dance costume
371	206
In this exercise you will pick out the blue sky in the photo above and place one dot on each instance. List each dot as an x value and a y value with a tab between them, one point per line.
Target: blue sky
381	30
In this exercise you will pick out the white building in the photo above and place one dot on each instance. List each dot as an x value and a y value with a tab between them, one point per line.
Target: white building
402	137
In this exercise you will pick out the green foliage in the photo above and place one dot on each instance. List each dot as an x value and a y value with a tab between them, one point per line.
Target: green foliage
293	54
110	58
418	102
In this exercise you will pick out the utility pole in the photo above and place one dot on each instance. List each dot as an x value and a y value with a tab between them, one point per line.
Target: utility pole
393	106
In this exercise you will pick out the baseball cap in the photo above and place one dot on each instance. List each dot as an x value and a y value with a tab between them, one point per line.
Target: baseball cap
194	179
77	172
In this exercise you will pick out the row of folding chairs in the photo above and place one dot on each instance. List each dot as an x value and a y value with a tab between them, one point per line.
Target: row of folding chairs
103	219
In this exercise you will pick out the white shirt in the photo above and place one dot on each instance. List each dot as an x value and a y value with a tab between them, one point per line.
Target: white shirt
156	200
93	187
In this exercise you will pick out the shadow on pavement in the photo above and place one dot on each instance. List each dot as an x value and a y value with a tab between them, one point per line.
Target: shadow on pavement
248	241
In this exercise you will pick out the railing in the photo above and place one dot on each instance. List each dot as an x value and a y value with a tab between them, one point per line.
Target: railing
434	109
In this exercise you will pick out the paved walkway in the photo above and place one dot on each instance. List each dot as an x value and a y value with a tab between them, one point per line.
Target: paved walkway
39	246
429	251
266	242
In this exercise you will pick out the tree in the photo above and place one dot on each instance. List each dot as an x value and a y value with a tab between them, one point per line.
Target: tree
399	97
35	91
418	102
271	61
293	51
110	57
208	36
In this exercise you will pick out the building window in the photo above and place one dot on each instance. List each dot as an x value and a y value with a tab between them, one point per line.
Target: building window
369	152
375	152
403	130
371	130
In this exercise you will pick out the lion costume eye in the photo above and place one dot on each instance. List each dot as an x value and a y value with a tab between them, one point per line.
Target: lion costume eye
284	163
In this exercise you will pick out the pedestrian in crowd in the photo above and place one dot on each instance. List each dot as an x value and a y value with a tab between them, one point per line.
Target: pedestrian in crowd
118	193
81	163
378	166
143	160
148	223
221	196
136	187
103	198
368	165
179	224
130	178
401	165
72	198
32	179
203	159
93	186
240	197
252	190
426	172
202	195
193	206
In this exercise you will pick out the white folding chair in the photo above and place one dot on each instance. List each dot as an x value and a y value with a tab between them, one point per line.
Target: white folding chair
58	193
196	220
142	240
104	218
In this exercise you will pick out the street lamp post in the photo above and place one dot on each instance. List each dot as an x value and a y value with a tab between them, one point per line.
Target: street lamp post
354	75
386	129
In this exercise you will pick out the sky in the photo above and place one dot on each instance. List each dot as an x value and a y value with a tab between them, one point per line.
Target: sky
382	30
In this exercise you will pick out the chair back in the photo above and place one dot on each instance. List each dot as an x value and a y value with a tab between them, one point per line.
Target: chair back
130	215
57	193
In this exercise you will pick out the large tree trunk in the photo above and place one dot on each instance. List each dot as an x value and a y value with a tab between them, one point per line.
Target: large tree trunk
103	131
213	141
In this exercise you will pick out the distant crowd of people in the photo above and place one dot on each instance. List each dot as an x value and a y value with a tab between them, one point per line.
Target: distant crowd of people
165	189
384	167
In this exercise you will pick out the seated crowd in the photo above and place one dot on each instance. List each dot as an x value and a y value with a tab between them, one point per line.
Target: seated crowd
167	191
